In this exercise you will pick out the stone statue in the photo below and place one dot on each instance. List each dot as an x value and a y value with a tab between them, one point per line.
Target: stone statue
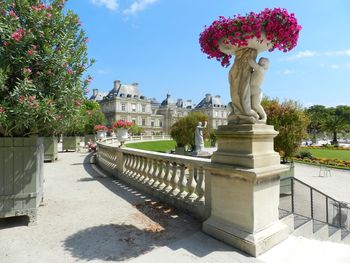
198	137
246	77
255	83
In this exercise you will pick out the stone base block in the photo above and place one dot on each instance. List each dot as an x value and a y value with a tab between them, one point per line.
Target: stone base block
251	243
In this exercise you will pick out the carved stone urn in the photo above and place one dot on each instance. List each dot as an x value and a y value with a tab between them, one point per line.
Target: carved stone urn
122	135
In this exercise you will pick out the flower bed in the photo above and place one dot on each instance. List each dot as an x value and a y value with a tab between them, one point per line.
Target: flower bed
330	147
325	161
276	25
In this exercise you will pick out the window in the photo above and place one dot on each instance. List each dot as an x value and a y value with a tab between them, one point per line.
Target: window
133	107
143	108
123	106
143	122
215	114
160	123
133	121
123	118
152	123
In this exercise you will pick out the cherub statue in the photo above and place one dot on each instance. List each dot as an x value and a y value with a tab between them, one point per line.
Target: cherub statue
256	80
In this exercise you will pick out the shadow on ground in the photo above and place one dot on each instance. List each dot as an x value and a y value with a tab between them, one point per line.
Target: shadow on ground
154	224
10	222
113	242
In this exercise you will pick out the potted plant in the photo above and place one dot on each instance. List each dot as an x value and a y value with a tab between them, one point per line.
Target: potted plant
122	128
245	37
42	59
73	133
101	131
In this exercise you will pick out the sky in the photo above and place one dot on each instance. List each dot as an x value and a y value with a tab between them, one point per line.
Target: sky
155	43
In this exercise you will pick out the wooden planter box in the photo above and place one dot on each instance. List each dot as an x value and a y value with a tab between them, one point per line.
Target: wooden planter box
71	143
50	149
21	177
88	137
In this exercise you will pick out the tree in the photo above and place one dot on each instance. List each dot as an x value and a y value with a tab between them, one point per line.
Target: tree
290	120
43	56
335	122
92	115
182	131
136	130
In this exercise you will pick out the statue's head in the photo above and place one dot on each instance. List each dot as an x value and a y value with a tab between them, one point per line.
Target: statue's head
199	123
264	62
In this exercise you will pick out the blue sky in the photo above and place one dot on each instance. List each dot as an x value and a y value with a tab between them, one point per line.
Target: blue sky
155	43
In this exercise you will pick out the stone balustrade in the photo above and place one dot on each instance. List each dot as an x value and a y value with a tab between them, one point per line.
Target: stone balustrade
137	138
181	181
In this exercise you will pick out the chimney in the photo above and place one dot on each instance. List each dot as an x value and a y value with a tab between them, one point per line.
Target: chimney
207	97
94	92
116	85
135	84
218	96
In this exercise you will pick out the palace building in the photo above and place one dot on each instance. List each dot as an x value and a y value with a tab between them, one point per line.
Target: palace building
126	102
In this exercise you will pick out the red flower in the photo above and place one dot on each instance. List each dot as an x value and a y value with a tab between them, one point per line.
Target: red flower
2	110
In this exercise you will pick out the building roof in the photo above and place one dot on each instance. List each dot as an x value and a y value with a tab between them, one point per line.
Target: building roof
210	102
168	101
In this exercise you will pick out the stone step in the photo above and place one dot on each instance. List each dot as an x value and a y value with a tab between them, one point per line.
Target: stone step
345	237
334	234
301	226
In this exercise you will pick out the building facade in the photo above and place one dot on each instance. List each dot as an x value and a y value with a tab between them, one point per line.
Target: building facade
126	102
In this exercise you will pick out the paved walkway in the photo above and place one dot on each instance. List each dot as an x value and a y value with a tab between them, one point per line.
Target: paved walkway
337	185
87	217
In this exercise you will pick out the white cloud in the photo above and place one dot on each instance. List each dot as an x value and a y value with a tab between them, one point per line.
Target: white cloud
138	6
102	72
334	66
338	53
302	54
110	4
288	72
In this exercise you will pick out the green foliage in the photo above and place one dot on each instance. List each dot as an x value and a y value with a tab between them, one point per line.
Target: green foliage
213	137
92	115
304	154
43	56
290	121
183	130
136	130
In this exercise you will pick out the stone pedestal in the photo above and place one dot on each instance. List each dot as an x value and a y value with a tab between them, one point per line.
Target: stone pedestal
245	189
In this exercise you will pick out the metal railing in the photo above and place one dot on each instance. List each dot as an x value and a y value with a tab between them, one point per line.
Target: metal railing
304	200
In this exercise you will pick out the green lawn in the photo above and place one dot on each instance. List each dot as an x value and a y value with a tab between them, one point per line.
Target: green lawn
155	146
331	154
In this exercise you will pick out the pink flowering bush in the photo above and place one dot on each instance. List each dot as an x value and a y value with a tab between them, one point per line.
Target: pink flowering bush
279	27
123	124
43	56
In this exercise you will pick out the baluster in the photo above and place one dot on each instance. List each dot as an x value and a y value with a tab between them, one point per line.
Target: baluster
153	175
174	178
167	176
138	167
182	181
160	178
200	184
149	171
126	163
190	186
132	163
143	169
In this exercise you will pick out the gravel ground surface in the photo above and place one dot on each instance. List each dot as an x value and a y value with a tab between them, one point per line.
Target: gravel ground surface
87	217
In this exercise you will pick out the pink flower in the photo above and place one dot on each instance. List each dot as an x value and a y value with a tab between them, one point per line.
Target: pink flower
48	15
86	40
17	35
2	110
30	52
70	71
6	43
13	14
27	71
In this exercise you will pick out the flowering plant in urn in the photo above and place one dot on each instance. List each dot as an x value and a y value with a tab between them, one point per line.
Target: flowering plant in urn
123	124
100	127
245	37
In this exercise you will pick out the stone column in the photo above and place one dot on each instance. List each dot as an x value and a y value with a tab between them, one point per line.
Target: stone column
245	189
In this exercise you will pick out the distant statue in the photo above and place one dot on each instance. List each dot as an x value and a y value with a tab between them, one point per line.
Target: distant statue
246	77
198	136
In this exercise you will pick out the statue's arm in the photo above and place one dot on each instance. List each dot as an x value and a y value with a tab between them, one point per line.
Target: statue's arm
205	124
253	64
